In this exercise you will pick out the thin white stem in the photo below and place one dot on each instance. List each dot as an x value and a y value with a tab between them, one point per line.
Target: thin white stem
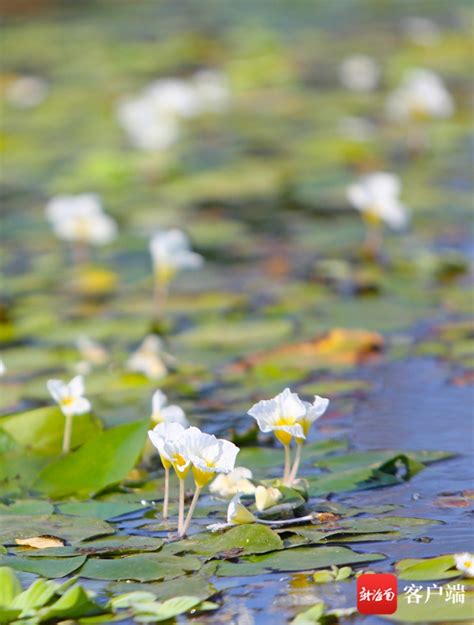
192	507
286	470
167	494
67	434
182	484
296	464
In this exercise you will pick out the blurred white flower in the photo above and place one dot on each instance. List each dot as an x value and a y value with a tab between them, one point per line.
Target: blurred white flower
170	251
164	413
237	481
80	218
147	127
27	91
465	563
266	497
421	31
3	368
152	119
92	351
359	73
237	513
377	197
280	415
421	94
69	396
148	358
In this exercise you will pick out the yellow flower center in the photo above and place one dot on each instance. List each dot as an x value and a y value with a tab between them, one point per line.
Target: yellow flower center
67	401
282	436
179	465
202	477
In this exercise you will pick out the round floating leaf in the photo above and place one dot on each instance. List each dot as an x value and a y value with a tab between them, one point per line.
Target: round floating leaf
296	559
68	528
101	509
239	540
441	567
141	568
46	567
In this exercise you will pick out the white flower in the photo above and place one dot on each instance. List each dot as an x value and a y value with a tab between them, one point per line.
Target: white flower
421	95
3	368
147	359
280	415
153	118
465	563
92	351
27	91
168	439
237	513
266	497
359	73
69	396
147	127
162	413
80	218
377	196
313	412
170	251
237	481
209	455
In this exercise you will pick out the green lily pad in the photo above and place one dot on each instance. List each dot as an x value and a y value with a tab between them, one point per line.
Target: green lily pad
70	529
296	559
142	568
28	507
441	567
100	509
46	567
103	461
113	545
239	540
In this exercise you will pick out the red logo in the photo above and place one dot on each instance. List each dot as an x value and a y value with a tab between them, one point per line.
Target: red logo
377	593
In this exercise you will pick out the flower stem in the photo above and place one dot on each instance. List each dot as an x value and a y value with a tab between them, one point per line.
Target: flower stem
296	464
286	470
192	507
182	484
80	253
67	434
167	493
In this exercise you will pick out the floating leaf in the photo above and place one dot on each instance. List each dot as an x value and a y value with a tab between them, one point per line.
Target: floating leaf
103	461
142	567
441	567
68	528
27	507
46	567
113	545
297	559
311	616
241	539
101	509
